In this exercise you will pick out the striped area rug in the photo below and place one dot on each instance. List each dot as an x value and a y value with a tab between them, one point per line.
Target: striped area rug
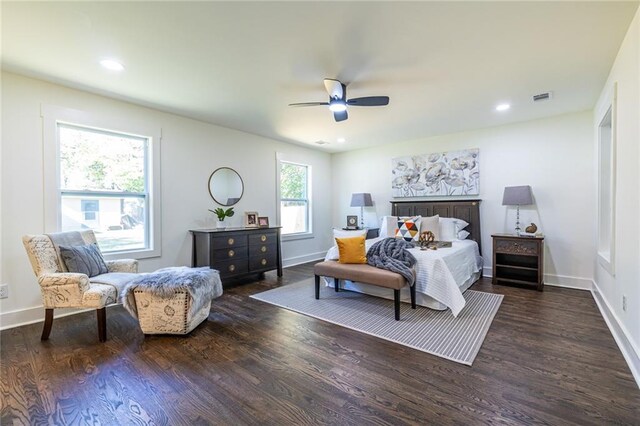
436	332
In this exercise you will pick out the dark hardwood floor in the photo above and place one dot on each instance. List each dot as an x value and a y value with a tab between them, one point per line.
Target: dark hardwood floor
547	359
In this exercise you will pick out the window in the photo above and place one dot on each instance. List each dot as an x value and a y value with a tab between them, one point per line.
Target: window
294	198
104	186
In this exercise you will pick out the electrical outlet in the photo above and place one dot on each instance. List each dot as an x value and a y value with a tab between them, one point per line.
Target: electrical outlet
4	291
624	303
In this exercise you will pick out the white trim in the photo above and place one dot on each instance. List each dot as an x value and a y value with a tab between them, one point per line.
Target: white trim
564	281
606	255
33	315
51	115
620	334
298	260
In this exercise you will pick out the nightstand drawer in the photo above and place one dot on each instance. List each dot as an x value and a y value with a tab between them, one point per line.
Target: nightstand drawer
519	246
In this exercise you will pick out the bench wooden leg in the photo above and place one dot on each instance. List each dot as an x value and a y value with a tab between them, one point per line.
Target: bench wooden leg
396	303
317	287
412	290
336	284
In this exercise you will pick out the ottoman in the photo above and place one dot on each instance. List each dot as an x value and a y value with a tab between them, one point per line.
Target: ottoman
172	300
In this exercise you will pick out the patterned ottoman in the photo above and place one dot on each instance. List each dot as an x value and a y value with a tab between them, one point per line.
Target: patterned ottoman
172	300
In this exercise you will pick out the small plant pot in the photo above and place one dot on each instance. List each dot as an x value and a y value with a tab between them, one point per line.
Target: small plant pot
221	224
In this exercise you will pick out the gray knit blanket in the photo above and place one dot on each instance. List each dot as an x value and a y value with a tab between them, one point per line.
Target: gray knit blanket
391	254
203	284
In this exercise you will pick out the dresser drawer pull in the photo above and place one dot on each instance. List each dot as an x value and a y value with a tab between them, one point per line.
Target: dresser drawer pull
231	241
263	238
232	268
232	253
263	262
263	249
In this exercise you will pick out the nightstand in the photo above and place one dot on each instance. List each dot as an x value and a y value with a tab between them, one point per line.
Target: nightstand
518	260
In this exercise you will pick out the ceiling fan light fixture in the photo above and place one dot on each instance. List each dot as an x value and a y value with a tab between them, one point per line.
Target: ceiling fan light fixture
337	106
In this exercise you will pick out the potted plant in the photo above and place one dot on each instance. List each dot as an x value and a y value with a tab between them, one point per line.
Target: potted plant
222	214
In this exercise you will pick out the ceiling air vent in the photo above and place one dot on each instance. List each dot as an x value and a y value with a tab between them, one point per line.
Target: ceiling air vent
322	143
542	96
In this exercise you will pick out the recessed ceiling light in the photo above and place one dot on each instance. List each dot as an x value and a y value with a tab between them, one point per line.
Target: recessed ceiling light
112	65
503	107
342	140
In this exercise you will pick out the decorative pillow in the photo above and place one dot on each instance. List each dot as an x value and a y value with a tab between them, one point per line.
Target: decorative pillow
352	250
409	229
85	259
342	233
462	235
388	226
431	223
449	228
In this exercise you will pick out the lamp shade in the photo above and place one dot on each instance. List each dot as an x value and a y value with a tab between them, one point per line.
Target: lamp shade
517	196
361	199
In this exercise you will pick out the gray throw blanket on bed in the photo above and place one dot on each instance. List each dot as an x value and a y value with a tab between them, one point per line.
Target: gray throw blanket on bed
391	254
203	284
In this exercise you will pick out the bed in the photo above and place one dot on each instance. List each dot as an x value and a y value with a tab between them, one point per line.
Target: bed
441	275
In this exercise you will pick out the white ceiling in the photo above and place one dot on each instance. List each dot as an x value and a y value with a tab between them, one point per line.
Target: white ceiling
444	65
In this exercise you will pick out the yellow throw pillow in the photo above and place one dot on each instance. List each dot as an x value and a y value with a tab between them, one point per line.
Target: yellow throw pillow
352	250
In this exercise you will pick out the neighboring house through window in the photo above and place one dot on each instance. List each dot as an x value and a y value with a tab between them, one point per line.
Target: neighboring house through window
295	216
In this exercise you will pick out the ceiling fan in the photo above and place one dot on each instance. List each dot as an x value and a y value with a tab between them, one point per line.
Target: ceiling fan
338	101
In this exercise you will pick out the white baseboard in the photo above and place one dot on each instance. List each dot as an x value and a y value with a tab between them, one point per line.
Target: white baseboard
576	283
620	334
298	260
32	315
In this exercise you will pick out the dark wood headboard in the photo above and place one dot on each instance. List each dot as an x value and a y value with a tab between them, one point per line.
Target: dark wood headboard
467	210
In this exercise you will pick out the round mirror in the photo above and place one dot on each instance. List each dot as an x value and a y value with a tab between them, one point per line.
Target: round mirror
226	186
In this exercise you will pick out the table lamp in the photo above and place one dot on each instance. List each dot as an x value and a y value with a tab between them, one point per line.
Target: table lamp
362	200
517	196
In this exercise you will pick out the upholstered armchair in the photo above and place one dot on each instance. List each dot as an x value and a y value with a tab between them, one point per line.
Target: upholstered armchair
63	289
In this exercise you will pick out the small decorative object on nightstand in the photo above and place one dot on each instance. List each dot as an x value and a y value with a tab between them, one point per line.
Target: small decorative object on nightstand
518	260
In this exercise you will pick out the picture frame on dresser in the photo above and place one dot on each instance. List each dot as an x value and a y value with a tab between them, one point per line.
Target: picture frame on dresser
263	221
251	220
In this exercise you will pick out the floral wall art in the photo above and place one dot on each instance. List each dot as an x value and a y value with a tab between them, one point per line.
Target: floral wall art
441	173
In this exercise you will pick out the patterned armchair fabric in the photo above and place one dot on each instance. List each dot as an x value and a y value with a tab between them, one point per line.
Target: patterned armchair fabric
62	289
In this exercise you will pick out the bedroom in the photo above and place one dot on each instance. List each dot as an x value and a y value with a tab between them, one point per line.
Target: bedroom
234	113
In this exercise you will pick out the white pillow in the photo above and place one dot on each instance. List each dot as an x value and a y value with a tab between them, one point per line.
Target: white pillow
341	233
462	235
388	226
450	227
431	223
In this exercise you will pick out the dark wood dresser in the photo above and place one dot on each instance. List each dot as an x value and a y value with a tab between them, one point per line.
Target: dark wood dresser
518	260
237	252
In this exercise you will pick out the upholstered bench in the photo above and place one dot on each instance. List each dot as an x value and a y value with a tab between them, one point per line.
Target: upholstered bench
172	300
363	273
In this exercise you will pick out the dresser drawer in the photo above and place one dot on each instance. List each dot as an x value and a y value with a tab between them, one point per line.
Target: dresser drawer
264	262
261	249
228	241
232	267
229	253
519	246
266	237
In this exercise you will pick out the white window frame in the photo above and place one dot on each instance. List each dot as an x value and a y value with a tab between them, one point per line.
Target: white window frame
299	235
52	116
606	252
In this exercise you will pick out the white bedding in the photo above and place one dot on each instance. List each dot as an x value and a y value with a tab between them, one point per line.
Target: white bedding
441	275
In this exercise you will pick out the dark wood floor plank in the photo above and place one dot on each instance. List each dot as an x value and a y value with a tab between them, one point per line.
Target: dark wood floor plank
548	358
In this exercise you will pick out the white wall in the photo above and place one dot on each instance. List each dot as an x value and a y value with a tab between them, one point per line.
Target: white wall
190	151
626	282
553	155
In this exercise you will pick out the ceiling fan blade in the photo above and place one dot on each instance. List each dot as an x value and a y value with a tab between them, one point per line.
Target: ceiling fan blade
369	101
340	115
335	88
301	104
